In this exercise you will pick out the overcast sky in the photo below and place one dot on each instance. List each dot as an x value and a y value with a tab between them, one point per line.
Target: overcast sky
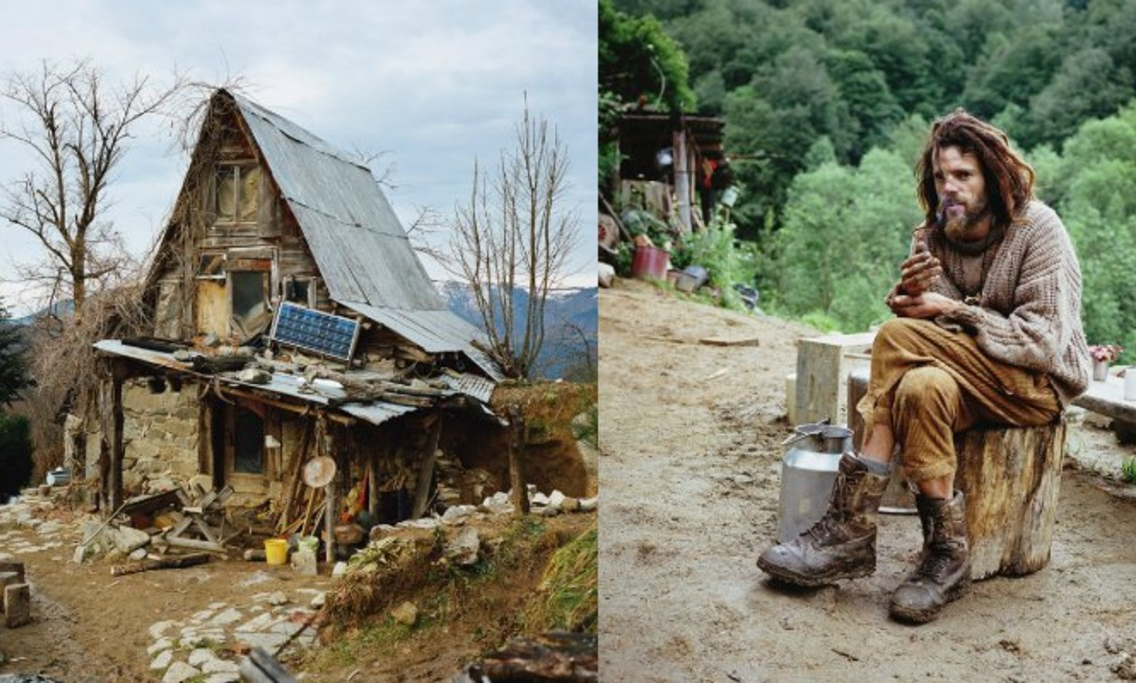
431	84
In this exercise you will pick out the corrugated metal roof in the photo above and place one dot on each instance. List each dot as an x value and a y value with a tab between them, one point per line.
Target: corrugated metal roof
359	245
470	385
281	384
434	331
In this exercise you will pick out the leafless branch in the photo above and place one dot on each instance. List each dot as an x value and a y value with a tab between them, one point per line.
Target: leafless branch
515	233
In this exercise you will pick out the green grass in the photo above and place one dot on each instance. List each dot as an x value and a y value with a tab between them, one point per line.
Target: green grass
570	590
1128	470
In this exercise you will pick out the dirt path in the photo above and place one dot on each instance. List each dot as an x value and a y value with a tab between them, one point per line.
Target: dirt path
89	626
689	471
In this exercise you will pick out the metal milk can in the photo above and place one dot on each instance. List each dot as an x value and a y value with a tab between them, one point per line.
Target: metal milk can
808	471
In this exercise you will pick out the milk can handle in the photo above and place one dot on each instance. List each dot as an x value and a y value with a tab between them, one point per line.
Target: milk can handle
806	430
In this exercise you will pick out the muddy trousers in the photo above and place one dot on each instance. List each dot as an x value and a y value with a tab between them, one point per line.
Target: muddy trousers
929	383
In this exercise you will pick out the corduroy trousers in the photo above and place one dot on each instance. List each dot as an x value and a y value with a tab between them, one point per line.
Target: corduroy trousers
930	383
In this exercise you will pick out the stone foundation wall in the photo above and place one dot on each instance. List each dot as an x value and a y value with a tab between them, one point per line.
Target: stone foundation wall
160	436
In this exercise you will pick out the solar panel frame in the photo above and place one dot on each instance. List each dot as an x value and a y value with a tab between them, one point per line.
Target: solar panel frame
315	331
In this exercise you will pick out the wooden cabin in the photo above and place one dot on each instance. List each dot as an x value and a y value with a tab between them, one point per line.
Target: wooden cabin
292	320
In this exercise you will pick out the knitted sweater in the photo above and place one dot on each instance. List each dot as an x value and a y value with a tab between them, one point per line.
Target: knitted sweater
1030	311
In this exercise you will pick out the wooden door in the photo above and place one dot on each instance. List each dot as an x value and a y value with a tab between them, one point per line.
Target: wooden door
245	460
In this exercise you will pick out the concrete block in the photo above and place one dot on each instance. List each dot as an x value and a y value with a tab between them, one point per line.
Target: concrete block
17	605
9	563
9	579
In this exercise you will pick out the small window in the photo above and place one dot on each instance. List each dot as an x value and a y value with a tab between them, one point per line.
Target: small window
237	193
300	290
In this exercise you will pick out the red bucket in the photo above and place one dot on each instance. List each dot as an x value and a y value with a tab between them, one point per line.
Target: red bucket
649	262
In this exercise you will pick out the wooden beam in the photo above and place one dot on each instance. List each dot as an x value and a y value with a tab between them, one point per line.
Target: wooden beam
172	562
345	420
111	444
426	472
516	444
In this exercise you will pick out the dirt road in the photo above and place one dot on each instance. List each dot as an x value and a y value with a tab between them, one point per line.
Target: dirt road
690	471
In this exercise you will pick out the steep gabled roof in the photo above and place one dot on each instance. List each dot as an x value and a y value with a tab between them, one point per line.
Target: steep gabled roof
363	254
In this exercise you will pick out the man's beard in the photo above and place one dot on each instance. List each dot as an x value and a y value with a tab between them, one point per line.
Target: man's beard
958	225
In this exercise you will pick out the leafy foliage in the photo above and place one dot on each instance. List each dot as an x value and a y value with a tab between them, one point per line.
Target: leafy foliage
828	105
14	376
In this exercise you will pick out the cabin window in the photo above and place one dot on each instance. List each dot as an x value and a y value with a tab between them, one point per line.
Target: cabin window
300	290
248	303
237	193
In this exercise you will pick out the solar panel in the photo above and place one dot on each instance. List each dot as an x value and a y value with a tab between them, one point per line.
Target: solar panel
315	331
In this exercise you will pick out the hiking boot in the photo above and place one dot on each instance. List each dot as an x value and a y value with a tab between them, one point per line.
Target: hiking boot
943	573
842	544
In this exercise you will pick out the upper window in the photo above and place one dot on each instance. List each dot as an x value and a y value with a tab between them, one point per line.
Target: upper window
237	193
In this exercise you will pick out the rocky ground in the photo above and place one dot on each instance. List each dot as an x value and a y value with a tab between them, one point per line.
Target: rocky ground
690	462
196	624
169	625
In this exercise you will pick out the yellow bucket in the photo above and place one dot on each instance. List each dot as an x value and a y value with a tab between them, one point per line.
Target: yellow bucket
275	551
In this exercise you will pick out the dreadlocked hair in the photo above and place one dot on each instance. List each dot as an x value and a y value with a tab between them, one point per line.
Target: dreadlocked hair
1009	179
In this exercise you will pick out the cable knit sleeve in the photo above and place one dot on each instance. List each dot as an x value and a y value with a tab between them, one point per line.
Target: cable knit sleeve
1031	314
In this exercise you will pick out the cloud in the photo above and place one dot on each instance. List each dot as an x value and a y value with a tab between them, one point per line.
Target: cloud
434	84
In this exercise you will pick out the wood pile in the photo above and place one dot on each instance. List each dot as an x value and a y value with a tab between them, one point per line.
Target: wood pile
170	520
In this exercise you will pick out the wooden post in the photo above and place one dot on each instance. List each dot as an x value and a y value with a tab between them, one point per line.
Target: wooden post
373	484
823	364
331	508
330	512
518	486
111	444
682	178
426	472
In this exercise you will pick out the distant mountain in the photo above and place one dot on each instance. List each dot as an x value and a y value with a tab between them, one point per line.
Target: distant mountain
570	317
60	309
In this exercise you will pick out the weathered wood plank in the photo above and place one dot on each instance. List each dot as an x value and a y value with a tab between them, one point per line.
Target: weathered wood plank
172	562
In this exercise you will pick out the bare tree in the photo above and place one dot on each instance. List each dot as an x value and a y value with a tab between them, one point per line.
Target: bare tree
77	128
515	233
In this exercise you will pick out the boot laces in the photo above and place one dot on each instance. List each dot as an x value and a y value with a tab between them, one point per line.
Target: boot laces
937	560
832	521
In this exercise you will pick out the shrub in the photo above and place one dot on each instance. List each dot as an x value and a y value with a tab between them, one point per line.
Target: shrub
15	454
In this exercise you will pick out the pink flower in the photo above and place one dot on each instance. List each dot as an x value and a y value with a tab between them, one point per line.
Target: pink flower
1105	353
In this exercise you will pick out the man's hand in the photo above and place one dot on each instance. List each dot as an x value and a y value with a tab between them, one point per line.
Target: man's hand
926	305
918	272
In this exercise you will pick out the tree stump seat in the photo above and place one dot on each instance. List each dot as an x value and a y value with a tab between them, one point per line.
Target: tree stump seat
1011	477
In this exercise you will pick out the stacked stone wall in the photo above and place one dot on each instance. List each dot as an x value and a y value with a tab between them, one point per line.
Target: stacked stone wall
160	437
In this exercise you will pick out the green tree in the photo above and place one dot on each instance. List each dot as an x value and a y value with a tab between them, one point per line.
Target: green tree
845	231
1012	69
15	455
637	59
872	110
14	376
1089	84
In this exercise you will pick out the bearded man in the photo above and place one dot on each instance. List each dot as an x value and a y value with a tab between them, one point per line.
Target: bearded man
988	330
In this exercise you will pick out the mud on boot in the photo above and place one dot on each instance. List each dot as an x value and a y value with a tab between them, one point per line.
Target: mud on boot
842	544
943	573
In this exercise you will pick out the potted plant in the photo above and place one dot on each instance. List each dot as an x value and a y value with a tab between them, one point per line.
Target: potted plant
1102	356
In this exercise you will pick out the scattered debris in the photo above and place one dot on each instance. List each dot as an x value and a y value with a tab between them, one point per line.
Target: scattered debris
553	657
173	562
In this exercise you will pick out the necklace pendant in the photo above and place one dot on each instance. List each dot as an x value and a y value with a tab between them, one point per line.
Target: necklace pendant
972	300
